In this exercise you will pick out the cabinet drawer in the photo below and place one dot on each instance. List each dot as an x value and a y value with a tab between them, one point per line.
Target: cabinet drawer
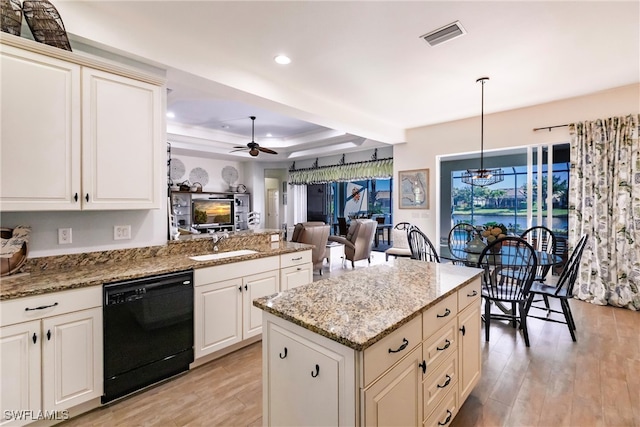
437	316
446	410
439	383
51	304
295	258
233	270
386	352
292	277
468	294
440	346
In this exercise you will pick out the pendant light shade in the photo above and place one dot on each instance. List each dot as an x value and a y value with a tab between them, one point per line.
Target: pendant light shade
482	177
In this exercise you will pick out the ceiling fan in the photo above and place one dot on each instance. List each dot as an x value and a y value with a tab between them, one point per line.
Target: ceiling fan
253	147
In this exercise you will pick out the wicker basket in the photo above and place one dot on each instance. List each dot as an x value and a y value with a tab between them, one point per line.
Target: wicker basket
45	23
13	264
11	16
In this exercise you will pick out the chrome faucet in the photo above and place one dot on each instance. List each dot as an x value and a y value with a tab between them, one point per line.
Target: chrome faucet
218	237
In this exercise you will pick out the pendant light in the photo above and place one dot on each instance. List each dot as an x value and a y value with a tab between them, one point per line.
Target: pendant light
482	177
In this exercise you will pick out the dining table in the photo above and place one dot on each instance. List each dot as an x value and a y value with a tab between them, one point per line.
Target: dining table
508	253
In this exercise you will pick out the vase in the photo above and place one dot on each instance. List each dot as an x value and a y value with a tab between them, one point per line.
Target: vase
474	249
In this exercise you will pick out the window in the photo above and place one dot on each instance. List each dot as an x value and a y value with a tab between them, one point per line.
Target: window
517	202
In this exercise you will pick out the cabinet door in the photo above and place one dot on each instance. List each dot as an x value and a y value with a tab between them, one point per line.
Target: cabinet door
121	142
71	359
396	398
469	347
256	286
303	382
292	277
218	316
19	370
40	132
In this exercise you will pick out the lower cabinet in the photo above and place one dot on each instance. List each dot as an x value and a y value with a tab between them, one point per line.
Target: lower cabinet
396	398
418	375
310	378
223	310
53	362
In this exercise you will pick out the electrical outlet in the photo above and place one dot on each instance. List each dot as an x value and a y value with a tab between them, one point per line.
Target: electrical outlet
275	237
64	236
121	232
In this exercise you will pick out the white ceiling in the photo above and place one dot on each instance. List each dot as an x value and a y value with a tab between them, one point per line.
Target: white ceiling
360	73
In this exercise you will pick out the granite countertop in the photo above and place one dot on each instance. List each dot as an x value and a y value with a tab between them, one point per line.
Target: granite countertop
41	282
362	307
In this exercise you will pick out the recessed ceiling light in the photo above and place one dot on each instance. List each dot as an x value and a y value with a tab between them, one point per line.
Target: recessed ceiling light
170	115
269	135
282	59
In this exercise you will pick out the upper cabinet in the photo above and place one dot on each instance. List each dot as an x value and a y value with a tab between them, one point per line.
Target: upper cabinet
77	135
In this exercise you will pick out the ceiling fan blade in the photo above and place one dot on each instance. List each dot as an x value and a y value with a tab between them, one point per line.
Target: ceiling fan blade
239	149
241	146
267	150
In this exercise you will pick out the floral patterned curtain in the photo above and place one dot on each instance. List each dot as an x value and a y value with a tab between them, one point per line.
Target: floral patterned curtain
339	173
605	204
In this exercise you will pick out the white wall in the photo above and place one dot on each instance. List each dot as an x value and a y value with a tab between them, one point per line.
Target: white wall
501	130
213	167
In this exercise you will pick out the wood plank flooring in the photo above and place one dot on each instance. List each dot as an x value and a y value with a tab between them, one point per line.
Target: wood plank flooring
555	382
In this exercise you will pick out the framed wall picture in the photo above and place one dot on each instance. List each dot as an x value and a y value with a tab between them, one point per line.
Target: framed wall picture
414	189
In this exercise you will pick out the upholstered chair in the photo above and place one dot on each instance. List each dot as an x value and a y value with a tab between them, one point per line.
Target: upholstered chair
358	241
313	233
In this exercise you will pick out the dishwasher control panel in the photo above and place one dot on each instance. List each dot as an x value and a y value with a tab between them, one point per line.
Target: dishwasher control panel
126	296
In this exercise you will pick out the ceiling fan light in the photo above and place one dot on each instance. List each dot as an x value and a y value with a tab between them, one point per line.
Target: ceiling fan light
254	152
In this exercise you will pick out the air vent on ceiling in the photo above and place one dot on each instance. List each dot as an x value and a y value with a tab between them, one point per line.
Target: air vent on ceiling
446	33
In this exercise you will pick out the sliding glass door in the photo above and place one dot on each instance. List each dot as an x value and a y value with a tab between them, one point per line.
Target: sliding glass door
534	191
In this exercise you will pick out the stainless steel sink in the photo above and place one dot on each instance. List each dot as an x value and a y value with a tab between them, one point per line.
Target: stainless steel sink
221	255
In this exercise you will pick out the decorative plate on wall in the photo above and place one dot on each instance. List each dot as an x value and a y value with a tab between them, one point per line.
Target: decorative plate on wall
230	175
177	169
199	175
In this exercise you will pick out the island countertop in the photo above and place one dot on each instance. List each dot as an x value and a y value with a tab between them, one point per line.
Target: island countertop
359	308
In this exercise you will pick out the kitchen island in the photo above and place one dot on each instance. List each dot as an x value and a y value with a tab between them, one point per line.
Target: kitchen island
393	344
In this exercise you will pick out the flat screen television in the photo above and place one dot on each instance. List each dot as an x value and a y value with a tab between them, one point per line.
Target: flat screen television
212	212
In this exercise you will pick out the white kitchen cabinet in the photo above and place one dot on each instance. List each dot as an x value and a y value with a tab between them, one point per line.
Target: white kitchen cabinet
256	286
76	136
296	270
51	351
396	398
418	375
470	332
21	386
310	381
121	133
40	132
218	315
223	309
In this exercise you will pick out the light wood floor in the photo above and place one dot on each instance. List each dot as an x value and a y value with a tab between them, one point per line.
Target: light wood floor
555	382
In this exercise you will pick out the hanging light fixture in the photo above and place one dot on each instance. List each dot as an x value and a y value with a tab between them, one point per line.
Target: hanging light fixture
482	177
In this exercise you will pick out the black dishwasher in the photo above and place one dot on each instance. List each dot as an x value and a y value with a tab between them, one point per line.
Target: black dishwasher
148	331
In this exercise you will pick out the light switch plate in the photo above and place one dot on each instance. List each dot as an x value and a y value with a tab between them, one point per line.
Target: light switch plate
275	237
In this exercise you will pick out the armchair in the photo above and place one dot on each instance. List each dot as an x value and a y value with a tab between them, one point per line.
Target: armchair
358	241
313	233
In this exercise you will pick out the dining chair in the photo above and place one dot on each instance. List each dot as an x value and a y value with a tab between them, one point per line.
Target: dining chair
541	239
563	290
421	247
461	234
506	279
399	241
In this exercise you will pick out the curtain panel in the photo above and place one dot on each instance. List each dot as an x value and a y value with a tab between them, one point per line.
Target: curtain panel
605	204
373	169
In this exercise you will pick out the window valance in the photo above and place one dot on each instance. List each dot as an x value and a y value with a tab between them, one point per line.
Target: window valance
355	171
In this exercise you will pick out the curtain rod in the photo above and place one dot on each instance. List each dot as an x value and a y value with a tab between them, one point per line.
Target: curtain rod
549	127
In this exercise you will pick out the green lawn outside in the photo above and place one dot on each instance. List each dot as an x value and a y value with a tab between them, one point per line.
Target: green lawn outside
505	212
